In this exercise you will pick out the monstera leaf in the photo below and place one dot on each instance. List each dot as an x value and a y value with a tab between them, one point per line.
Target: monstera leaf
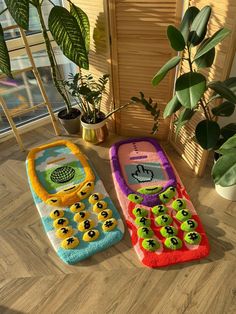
67	34
83	22
19	10
5	65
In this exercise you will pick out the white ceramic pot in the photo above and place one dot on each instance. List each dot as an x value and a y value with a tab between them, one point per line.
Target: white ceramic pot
228	192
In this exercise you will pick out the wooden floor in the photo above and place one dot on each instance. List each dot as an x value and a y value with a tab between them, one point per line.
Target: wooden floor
34	279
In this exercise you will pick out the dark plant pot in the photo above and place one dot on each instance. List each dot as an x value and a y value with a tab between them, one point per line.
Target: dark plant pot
71	121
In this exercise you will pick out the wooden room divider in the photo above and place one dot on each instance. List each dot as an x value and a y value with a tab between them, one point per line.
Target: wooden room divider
139	47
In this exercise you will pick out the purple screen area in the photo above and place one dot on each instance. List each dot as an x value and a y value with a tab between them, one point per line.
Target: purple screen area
148	200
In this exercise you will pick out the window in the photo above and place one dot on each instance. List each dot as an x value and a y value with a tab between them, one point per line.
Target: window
22	92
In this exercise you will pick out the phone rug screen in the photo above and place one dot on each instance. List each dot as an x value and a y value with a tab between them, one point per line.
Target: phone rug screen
164	226
76	211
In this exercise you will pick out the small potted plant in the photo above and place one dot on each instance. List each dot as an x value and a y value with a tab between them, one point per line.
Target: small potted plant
87	93
71	31
224	169
192	88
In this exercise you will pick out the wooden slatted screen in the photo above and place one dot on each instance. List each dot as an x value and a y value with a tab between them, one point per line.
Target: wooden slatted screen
223	15
99	55
139	47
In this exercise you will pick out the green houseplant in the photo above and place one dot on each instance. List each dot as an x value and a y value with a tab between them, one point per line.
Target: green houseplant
192	89
87	93
224	170
70	30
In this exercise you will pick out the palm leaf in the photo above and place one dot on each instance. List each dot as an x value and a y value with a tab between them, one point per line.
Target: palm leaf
19	10
5	65
83	22
67	34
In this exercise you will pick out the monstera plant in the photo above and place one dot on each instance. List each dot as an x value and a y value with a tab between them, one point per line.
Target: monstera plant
69	28
193	91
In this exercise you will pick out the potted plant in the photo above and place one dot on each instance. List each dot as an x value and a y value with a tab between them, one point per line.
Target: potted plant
224	170
192	88
70	30
87	93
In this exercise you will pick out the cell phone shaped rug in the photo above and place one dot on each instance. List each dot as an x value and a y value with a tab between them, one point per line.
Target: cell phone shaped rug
77	212
164	226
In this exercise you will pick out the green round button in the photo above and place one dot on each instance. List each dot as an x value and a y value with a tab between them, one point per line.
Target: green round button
150	244
140	212
135	198
168	231
163	220
192	237
142	222
159	210
173	243
179	204
145	232
183	215
189	225
167	195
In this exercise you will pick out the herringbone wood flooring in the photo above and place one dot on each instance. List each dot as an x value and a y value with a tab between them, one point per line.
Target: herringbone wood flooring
34	279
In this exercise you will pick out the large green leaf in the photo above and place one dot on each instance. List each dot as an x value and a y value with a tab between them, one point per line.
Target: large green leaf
19	10
212	42
207	134
225	109
224	170
185	115
83	21
228	146
165	69
199	26
176	38
207	59
5	64
189	89
67	34
228	130
221	89
35	3
230	83
172	106
187	20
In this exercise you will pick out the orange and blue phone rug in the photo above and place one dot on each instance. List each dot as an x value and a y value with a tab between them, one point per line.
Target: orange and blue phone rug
164	227
76	211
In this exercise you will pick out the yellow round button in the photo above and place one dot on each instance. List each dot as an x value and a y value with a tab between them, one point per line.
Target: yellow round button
95	197
70	243
86	225
64	232
83	215
99	206
105	214
91	235
77	207
57	213
61	222
109	224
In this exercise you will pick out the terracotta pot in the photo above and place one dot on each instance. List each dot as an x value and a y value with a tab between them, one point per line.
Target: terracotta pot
71	122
